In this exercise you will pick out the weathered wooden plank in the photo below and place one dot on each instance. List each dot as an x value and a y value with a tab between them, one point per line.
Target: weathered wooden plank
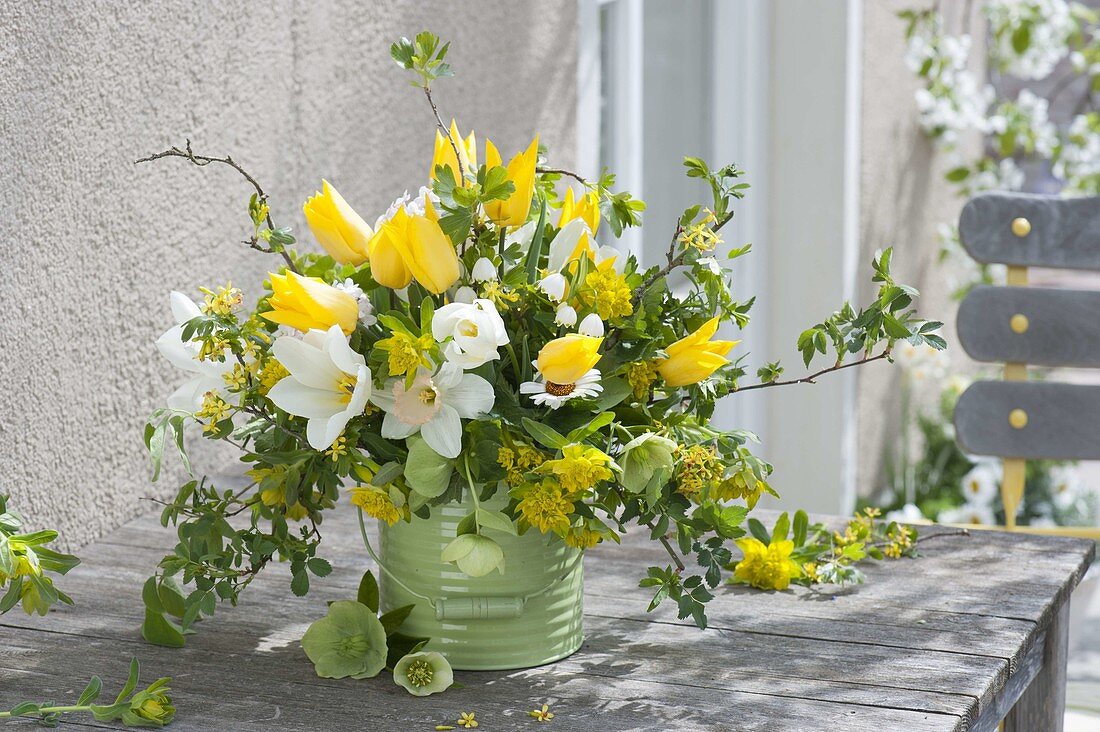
251	694
1031	325
1063	231
1061	421
1043	704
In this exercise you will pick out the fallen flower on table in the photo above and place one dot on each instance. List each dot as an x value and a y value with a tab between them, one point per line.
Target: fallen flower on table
542	715
466	719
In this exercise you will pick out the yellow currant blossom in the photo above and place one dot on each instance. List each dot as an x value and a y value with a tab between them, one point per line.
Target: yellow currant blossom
901	540
466	719
214	409
376	503
306	303
271	374
609	293
695	357
212	348
582	537
767	567
735	487
587	208
521	172
274	496
700	235
641	375
697	468
545	508
500	295
406	352
542	715
579	468
239	377
223	302
338	448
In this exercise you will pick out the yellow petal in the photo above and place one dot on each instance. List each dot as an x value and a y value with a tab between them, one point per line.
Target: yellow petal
565	360
387	266
340	230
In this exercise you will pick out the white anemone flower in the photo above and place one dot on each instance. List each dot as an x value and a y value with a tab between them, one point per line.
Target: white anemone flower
206	375
476	331
329	383
565	315
591	326
434	406
554	395
575	237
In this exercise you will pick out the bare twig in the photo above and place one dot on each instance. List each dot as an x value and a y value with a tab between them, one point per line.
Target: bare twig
203	160
812	378
561	171
446	132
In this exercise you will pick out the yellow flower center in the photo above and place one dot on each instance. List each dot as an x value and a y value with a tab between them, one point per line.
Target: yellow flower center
469	329
420	673
427	395
346	385
559	390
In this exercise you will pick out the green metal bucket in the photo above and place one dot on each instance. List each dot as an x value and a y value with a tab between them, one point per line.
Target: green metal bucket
528	616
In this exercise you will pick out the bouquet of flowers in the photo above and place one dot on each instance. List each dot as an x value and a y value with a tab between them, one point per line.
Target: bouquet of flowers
478	341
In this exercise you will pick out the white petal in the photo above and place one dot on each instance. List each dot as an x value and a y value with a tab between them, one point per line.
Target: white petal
332	428
554	286
471	397
444	432
307	363
565	242
303	401
316	430
183	307
179	354
188	397
383	398
448	377
394	429
465	295
591	326
338	350
607	251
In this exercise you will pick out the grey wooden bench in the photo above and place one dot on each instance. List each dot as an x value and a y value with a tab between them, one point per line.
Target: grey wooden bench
972	631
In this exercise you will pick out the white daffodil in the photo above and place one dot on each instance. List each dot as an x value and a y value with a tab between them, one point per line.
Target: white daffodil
206	375
554	286
434	407
573	240
484	270
329	383
554	395
475	330
591	326
565	315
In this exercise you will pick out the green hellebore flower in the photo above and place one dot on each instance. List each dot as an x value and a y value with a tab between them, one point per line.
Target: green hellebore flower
647	458
349	641
423	673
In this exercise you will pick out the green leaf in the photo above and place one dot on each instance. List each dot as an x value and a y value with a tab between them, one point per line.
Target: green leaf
91	692
160	631
495	520
299	582
426	471
782	527
534	252
801	526
759	531
474	554
392	620
544	435
615	390
401	645
368	591
387	474
319	566
1021	38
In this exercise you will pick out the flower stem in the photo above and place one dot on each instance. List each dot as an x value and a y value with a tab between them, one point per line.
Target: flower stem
49	710
473	488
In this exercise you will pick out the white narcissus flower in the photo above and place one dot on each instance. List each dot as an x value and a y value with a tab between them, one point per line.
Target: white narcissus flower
554	286
206	375
574	239
484	270
329	383
434	407
476	332
565	316
591	326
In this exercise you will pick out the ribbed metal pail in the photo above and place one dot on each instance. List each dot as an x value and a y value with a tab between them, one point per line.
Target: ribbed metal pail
526	617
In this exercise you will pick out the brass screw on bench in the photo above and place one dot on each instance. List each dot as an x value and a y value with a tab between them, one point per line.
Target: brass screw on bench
1021	227
1019	323
1017	418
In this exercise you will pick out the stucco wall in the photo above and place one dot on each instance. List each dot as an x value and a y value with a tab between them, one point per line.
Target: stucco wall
903	199
92	244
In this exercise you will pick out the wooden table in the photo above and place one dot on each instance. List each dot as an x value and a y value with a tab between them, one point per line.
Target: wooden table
951	641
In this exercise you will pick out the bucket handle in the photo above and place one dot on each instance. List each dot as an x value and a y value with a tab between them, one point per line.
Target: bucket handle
467	607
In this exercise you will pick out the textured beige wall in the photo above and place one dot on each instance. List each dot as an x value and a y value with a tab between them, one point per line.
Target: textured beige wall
903	199
92	244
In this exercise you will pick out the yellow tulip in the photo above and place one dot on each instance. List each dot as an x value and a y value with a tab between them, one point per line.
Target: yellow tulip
521	171
695	357
565	360
587	209
340	230
425	250
306	302
387	266
445	154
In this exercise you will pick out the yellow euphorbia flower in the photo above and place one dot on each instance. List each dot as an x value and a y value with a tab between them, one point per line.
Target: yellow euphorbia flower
445	154
340	230
695	357
308	303
588	209
425	250
521	171
579	468
387	266
565	360
767	567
